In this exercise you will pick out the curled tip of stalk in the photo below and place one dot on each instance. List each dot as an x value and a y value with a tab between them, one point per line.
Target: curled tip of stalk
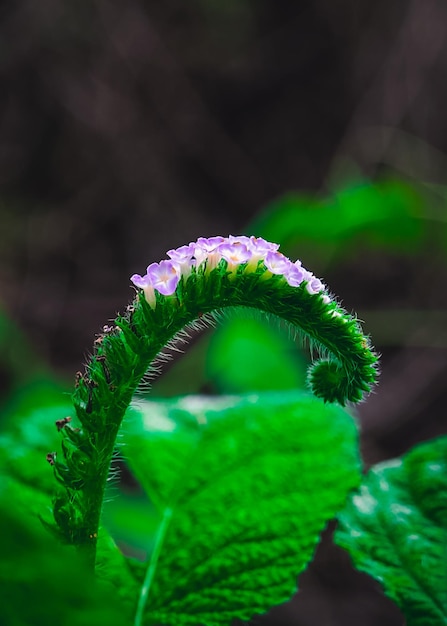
195	283
330	381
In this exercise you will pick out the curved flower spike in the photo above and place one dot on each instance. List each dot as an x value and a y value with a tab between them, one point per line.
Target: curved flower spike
194	285
269	281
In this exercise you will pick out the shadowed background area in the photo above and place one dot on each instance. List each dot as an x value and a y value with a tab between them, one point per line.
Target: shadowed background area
130	128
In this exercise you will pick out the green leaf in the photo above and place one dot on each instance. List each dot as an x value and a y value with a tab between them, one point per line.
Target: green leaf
41	581
114	571
244	487
185	375
248	353
17	361
395	529
385	214
131	519
28	434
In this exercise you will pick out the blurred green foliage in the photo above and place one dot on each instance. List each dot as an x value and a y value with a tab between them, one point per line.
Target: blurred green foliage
18	363
252	353
41	581
40	578
131	519
388	214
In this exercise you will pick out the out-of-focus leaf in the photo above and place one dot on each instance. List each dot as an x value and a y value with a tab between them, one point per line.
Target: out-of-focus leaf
115	572
17	360
187	374
131	520
41	581
249	354
243	353
395	529
383	214
244	487
36	394
28	435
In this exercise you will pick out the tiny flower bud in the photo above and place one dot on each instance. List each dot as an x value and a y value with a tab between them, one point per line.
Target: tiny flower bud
60	424
51	457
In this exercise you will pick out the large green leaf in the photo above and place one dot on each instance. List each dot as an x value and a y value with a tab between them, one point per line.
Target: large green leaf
395	529
244	487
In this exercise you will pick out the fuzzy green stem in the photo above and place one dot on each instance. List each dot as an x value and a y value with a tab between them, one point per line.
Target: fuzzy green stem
124	352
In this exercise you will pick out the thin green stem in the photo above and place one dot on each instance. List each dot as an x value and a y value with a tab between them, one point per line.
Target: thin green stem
150	573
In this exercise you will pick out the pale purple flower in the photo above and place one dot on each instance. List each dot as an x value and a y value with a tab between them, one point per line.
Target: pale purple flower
208	251
307	276
277	263
209	243
261	246
140	281
182	255
234	253
164	276
243	239
200	254
294	275
314	285
145	283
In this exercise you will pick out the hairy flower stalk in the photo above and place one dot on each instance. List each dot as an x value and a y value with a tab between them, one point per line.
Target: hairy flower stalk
196	282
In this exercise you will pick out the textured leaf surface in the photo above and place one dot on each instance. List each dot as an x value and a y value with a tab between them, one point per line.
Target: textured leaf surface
396	530
244	487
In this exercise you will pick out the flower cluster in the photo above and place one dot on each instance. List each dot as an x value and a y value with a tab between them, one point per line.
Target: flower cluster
208	252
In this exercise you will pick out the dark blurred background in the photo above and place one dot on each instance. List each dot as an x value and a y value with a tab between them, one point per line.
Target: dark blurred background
128	128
